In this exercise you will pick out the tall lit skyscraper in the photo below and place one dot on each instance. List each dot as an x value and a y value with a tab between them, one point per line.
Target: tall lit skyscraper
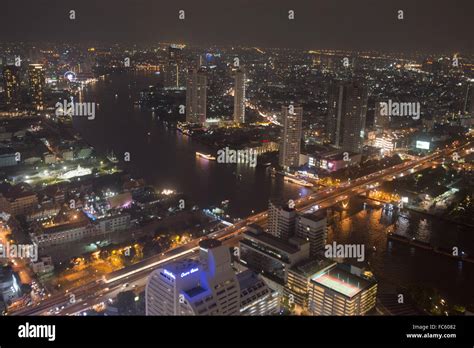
196	96
347	111
11	80
290	143
36	85
239	96
207	286
174	67
381	122
468	107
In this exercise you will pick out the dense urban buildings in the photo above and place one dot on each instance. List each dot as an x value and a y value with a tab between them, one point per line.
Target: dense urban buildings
237	175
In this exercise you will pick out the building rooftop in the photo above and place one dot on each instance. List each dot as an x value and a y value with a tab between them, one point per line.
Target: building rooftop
341	281
316	216
271	240
66	220
309	268
247	279
182	266
195	291
209	243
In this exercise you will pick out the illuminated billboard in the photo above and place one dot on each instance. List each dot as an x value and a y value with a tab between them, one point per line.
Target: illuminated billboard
423	145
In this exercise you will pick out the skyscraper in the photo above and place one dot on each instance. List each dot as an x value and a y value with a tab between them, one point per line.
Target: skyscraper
174	67
468	107
313	227
11	80
207	286
347	109
196	96
281	220
290	143
36	85
381	122
239	96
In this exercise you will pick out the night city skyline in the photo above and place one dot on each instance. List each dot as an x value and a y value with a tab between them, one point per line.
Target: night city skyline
428	26
222	159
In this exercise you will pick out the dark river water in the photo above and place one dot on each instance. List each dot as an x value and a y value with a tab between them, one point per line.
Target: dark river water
166	159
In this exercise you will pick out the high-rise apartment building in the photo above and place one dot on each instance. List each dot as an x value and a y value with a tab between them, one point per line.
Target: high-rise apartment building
196	95
290	142
239	96
381	122
36	85
11	80
174	67
347	109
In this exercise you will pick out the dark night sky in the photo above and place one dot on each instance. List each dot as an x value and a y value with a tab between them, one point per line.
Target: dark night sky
430	25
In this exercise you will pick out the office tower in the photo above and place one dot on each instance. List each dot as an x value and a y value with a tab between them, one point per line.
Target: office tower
239	96
36	85
381	122
468	107
347	109
281	220
256	298
174	67
313	228
196	96
11	80
207	286
341	290
290	142
270	256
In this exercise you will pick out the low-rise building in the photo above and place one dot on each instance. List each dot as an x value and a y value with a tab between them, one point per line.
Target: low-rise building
334	161
75	225
325	287
18	200
341	290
